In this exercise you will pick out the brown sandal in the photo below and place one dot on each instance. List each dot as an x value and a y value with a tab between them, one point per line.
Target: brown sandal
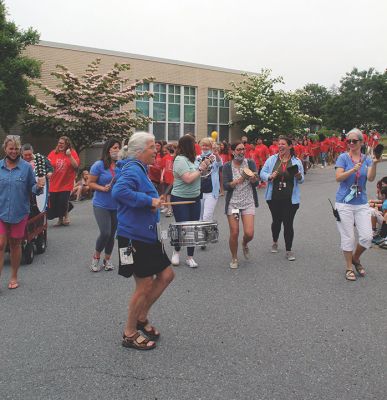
138	342
359	268
151	332
350	275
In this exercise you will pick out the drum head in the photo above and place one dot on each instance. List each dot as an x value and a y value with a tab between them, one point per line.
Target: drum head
42	199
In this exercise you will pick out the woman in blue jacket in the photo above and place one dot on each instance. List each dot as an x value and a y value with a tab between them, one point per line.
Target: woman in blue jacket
141	253
283	192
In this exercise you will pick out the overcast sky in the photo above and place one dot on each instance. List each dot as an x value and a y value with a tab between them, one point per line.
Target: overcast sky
304	41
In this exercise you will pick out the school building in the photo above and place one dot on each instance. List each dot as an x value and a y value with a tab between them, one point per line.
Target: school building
187	97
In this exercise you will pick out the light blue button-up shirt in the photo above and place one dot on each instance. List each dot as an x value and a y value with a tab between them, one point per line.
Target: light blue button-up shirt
16	185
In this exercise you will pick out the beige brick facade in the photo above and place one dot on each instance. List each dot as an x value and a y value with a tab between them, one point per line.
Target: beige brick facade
202	77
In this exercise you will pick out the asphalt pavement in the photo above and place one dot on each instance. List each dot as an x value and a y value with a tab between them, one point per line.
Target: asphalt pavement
272	329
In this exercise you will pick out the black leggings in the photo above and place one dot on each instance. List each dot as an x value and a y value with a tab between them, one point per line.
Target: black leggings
283	211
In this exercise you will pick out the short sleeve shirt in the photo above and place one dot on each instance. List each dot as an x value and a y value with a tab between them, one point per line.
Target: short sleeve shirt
63	177
344	161
182	165
104	177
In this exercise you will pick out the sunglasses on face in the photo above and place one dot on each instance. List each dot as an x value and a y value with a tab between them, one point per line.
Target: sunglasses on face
353	141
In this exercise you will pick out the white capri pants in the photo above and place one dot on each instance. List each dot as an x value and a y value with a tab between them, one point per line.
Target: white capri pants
208	204
359	215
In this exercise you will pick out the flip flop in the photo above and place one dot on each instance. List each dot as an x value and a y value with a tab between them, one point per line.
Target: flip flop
13	285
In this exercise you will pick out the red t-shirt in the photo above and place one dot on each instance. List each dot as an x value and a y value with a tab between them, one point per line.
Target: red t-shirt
365	138
198	149
225	157
315	149
62	179
273	149
298	149
167	166
154	171
374	139
261	153
340	146
324	145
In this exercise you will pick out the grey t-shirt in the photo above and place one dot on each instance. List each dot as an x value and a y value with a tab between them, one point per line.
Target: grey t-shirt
182	165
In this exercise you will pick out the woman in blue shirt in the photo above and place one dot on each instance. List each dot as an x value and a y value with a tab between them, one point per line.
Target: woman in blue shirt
101	179
17	181
353	169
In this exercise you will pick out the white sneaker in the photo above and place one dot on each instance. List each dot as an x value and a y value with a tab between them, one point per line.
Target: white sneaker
95	267
274	248
108	266
234	263
290	256
175	258
191	263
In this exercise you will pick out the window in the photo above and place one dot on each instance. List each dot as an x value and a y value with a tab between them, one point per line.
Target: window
218	113
172	107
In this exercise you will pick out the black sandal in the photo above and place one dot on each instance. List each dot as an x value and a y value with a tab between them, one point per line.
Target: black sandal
137	341
151	332
359	268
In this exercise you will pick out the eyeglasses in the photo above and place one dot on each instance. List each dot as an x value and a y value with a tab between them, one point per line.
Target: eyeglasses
240	149
353	141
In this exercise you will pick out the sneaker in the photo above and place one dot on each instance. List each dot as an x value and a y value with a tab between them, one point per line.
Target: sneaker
108	266
175	258
234	263
379	241
95	265
290	256
246	252
274	248
169	213
191	263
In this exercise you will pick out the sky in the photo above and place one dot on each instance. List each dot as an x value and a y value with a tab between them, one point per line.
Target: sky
304	41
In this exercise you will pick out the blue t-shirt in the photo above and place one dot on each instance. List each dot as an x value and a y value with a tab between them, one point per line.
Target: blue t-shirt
384	205
344	161
104	177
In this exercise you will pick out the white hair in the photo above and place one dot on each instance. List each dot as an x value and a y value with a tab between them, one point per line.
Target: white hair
357	132
138	142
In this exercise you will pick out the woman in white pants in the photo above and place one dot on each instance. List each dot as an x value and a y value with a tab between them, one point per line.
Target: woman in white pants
210	185
353	169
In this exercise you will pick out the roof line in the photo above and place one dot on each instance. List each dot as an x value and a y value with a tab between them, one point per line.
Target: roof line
74	47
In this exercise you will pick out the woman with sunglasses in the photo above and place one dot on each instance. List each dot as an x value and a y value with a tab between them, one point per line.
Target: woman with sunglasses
241	200
353	169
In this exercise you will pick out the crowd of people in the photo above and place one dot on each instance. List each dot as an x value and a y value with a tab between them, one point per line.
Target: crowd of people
133	183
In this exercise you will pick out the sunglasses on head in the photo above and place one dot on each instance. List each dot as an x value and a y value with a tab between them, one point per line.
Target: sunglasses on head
354	141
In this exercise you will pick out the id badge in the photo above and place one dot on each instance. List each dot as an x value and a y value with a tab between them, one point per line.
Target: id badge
126	256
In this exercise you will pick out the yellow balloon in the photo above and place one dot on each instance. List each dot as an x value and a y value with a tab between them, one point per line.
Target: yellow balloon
214	135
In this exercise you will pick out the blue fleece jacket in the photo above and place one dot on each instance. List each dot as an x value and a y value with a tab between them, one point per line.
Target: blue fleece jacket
133	192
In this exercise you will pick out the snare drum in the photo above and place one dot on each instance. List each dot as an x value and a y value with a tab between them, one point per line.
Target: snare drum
193	233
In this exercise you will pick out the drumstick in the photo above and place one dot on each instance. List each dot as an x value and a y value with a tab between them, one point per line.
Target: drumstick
176	203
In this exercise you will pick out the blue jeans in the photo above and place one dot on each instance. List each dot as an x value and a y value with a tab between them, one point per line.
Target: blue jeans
324	159
186	212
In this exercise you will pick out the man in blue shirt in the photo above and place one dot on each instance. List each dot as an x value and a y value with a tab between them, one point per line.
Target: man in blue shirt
17	181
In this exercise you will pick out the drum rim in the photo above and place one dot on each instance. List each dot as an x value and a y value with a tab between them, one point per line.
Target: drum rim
193	223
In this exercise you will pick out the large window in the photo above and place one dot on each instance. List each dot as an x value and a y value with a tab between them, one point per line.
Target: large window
172	107
218	113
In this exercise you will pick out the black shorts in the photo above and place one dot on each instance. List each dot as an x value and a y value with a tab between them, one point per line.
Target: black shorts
148	258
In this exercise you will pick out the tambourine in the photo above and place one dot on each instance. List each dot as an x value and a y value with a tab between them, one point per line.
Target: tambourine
247	173
206	172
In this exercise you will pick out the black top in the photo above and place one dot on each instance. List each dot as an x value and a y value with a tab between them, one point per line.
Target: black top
284	182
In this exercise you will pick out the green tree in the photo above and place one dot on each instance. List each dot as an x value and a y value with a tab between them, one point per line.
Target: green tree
313	100
15	69
361	101
260	107
89	108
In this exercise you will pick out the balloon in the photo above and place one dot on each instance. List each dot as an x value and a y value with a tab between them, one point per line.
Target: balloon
214	135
